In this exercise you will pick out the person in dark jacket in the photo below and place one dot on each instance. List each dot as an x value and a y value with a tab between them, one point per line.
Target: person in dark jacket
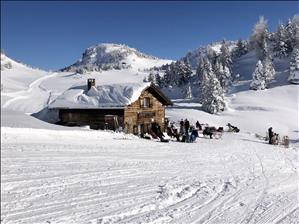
181	131
187	126
198	126
271	134
181	122
194	135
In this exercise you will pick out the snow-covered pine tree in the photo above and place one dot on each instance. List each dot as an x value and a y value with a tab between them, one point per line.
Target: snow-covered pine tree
167	79
259	38
211	55
265	51
218	70
225	55
222	67
151	78
241	48
268	70
258	80
204	69
280	42
294	66
200	68
212	96
292	28
183	72
159	80
177	74
188	92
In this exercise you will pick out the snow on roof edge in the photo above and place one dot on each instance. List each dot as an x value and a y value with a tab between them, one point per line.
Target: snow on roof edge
100	97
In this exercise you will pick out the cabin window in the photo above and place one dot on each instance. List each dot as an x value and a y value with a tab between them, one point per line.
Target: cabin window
146	102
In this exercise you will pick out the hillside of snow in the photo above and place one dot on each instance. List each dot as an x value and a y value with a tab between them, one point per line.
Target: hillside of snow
16	76
113	56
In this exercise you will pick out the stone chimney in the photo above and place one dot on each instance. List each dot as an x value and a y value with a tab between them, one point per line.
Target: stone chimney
90	83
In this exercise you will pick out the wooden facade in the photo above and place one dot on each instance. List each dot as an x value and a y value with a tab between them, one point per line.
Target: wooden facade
135	118
139	116
95	118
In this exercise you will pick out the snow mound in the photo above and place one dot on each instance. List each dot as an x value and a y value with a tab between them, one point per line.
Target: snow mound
114	95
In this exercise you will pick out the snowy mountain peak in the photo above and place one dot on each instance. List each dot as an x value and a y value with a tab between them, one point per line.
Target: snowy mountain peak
110	48
108	56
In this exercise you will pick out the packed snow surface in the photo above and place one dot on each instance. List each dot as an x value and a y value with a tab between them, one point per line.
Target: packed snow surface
83	176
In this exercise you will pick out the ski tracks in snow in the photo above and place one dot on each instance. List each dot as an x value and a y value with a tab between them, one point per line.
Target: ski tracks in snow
140	181
35	91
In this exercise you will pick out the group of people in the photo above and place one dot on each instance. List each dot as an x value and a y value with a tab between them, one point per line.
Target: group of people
185	133
189	133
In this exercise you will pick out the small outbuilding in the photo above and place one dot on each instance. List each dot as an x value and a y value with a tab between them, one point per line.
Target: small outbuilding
132	107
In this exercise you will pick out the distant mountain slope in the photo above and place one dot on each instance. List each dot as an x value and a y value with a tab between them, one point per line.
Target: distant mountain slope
16	76
113	56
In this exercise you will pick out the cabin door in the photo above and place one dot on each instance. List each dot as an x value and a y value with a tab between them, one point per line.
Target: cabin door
111	122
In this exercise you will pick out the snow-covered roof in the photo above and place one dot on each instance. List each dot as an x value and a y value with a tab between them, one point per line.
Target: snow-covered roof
102	96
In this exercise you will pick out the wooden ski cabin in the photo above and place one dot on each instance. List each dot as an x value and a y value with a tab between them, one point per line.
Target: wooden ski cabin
128	107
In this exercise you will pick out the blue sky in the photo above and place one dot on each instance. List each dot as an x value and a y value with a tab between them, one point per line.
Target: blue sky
52	35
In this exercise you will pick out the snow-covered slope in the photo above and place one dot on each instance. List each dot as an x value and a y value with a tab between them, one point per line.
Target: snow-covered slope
20	86
16	76
113	56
